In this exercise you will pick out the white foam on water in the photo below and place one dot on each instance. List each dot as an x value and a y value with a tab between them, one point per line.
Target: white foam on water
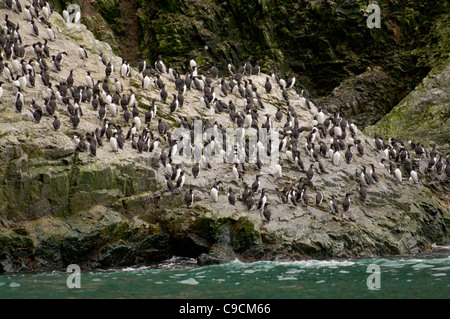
294	271
190	281
219	279
320	281
392	263
344	271
441	268
317	263
96	279
400	263
439	274
286	278
130	269
421	265
14	285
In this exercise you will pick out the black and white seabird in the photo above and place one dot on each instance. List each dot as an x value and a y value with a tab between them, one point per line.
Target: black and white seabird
82	52
34	28
279	115
346	203
374	174
256	183
319	198
396	173
310	172
447	166
169	183
304	196
236	172
268	85
414	177
266	212
174	104
439	165
37	111
359	147
362	191
250	201
162	127
50	34
214	72
231	197
349	154
262	199
334	206
56	123
364	176
231	68
189	198
336	158
92	145
214	192
181	179
114	143
81	144
196	169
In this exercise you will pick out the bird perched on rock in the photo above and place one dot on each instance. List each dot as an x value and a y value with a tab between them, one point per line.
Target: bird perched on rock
349	154
250	201
231	197
214	192
189	198
346	203
362	191
334	206
56	123
266	212
319	198
169	183
256	184
310	172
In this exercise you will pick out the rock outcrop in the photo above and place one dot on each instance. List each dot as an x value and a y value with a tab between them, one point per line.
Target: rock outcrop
60	205
423	115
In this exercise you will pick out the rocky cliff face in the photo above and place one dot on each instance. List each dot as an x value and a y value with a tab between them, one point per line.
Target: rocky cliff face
325	44
60	205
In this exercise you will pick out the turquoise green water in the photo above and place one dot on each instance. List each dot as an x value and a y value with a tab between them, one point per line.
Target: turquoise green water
425	276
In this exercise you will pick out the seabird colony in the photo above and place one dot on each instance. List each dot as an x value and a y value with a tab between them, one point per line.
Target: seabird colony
327	137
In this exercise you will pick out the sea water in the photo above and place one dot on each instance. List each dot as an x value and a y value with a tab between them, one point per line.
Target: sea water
419	276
